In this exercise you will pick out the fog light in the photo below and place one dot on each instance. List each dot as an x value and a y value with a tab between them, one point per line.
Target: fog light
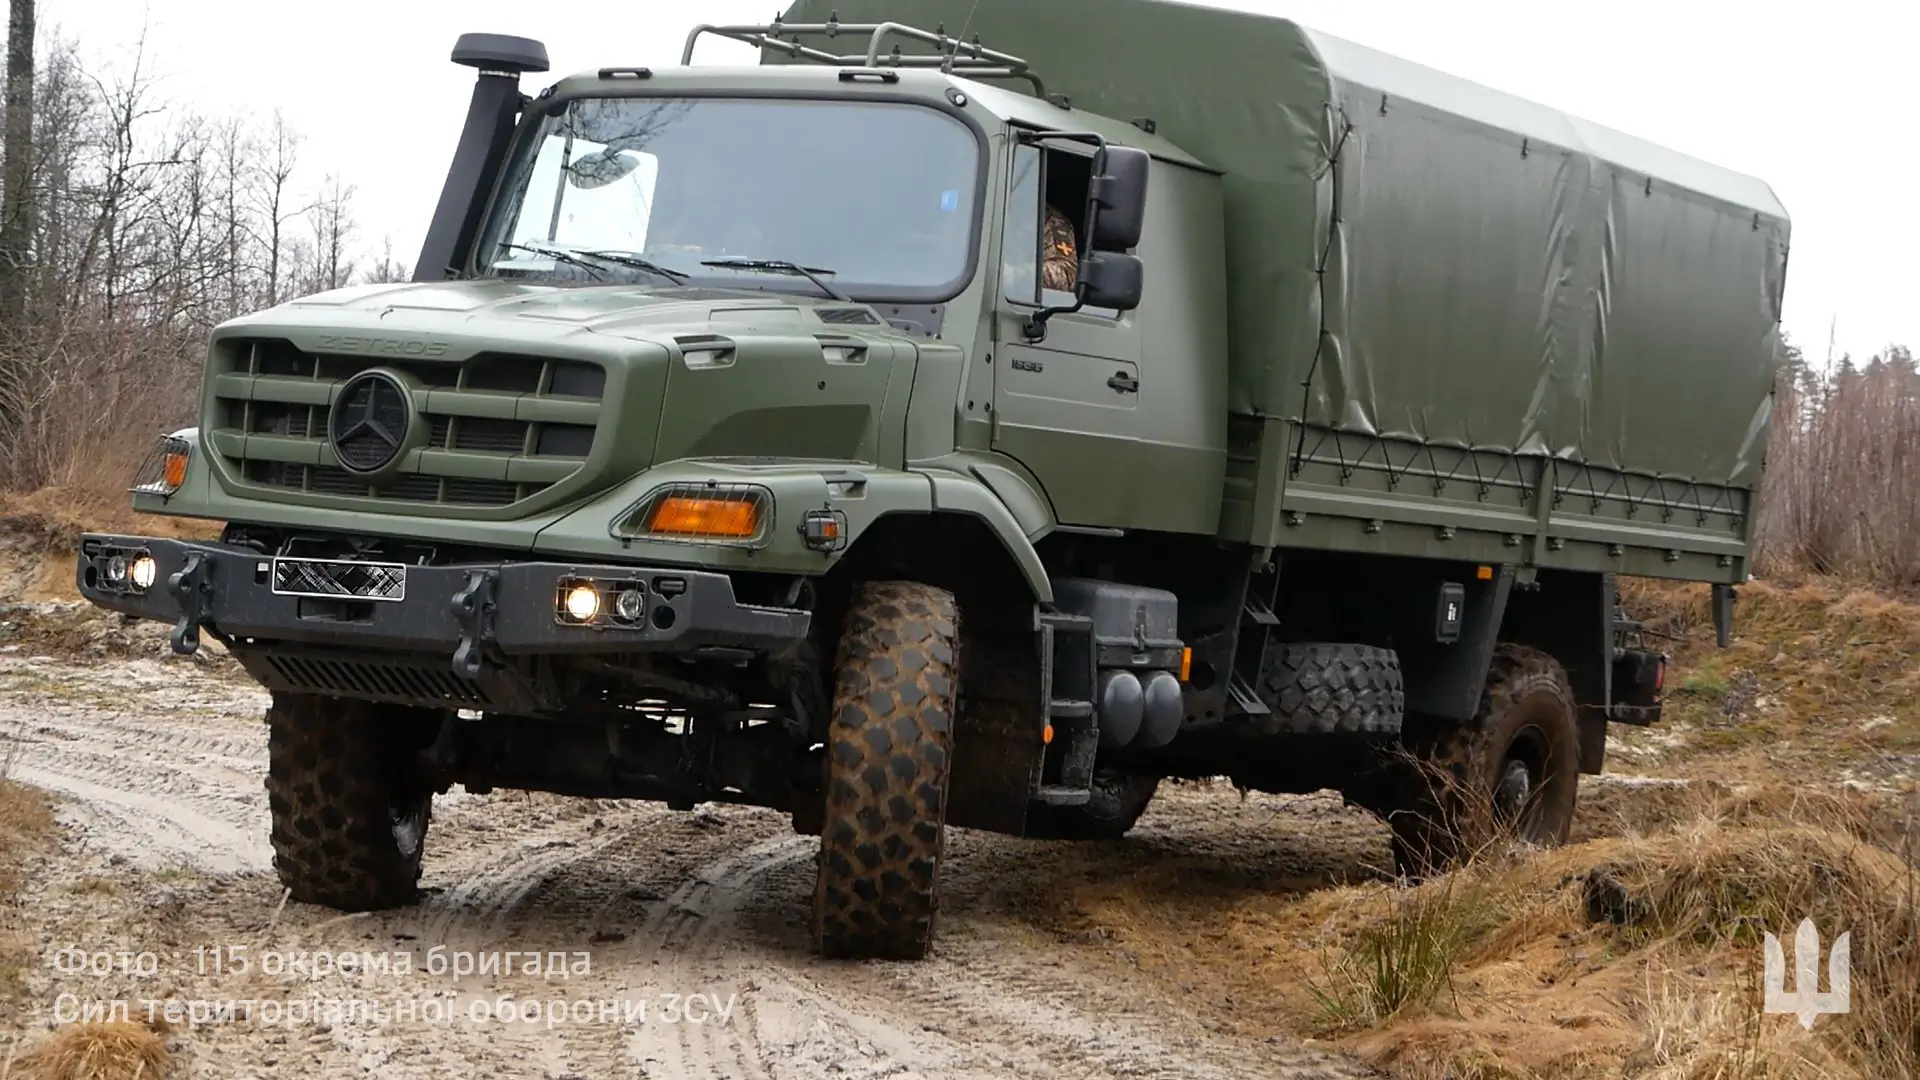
583	603
630	605
145	570
117	569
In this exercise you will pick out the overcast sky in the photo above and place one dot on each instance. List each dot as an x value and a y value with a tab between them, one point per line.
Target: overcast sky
1819	99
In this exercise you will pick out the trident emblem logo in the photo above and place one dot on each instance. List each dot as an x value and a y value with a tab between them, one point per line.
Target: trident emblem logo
1806	1000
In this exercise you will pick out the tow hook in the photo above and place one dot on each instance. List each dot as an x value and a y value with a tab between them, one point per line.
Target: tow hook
473	606
192	588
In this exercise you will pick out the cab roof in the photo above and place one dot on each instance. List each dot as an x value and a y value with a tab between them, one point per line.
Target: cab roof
997	101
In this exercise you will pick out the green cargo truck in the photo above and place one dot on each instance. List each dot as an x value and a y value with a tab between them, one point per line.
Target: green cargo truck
974	414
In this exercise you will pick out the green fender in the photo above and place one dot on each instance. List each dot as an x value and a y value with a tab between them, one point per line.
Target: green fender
981	496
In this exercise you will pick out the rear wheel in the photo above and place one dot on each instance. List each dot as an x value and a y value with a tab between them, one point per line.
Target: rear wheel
1514	771
1118	797
349	810
889	751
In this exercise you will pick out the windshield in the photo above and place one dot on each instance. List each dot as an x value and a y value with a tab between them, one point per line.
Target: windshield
874	199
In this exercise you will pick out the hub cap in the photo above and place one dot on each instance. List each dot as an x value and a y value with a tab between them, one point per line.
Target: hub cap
1510	794
409	827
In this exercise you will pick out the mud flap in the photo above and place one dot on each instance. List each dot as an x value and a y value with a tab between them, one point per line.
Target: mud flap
998	744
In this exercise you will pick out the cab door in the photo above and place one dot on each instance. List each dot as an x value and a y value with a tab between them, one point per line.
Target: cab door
1066	407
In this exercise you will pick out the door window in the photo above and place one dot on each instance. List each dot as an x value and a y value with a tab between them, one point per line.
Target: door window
1045	227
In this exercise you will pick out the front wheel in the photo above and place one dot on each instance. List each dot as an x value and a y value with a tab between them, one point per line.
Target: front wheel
349	811
889	751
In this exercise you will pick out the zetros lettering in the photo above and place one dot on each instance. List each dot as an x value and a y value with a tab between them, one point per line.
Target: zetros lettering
381	346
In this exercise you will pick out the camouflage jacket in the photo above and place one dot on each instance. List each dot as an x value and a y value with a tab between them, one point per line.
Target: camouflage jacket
1060	252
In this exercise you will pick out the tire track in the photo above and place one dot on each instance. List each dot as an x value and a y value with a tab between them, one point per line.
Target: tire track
685	929
489	890
171	794
715	902
487	910
239	749
1044	1016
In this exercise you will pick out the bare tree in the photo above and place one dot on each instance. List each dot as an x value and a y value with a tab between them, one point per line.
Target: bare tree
234	145
148	225
16	201
272	198
1841	496
332	234
387	269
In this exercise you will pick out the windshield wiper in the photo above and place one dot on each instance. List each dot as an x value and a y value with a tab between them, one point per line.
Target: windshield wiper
580	258
561	254
639	262
781	266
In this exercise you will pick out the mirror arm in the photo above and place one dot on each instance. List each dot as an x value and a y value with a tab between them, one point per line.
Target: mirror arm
1036	325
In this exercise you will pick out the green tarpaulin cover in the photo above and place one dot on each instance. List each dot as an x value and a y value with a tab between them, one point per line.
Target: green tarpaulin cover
1415	255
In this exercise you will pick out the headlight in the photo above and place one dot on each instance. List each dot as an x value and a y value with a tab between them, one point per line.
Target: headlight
736	515
602	601
165	467
580	602
129	571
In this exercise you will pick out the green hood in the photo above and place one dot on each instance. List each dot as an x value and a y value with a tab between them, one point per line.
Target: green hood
527	397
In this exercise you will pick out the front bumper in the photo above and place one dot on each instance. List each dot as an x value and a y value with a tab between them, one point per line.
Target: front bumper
463	623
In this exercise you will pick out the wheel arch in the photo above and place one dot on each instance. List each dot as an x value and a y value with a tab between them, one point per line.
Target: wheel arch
1569	615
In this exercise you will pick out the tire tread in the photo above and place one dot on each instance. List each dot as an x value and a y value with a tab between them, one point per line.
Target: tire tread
889	752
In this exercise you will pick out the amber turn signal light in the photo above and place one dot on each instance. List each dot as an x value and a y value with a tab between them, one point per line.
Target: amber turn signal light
685	515
165	467
729	514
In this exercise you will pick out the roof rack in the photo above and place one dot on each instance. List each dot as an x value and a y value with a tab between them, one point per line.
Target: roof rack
954	56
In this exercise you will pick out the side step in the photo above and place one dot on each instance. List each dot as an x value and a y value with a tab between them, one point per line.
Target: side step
1067	682
1245	697
1256	623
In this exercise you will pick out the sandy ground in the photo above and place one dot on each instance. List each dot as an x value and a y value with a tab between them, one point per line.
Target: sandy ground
683	936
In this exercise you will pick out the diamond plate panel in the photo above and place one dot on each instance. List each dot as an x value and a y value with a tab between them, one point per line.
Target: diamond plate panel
340	578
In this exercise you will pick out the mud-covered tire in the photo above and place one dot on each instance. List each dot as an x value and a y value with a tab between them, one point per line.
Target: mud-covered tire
1322	688
1117	798
349	813
1457	794
889	752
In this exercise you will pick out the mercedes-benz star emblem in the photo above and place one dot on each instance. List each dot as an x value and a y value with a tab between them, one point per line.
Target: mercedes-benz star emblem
368	424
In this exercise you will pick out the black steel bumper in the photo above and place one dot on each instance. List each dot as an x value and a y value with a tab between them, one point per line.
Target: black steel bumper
460	619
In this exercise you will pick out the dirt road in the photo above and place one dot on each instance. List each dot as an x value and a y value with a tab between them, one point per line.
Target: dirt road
664	944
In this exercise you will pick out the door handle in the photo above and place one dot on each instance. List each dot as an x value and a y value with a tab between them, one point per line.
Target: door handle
1124	383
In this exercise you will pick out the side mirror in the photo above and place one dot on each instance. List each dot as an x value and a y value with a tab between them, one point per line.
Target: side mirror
1120	198
599	168
1110	280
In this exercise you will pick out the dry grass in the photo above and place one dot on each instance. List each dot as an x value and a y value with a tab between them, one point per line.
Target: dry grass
39	534
26	822
114	1050
1404	954
1628	955
50	519
1820	680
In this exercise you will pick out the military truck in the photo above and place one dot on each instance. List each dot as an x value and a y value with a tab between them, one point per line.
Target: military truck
729	446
